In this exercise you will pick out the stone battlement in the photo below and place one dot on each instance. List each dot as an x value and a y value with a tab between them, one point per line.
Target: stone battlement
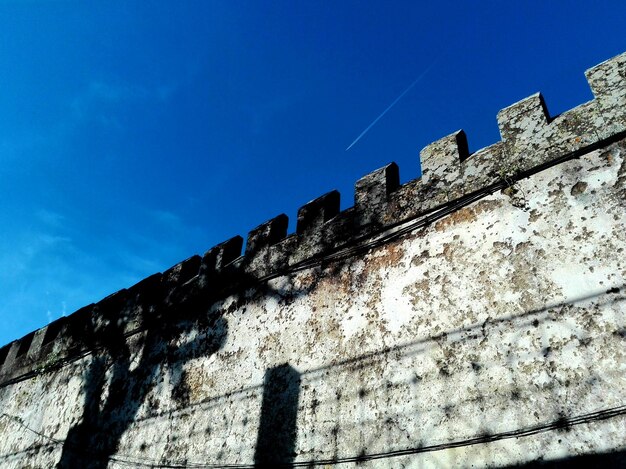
531	140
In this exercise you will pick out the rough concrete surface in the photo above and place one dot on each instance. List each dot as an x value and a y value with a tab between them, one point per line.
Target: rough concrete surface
491	336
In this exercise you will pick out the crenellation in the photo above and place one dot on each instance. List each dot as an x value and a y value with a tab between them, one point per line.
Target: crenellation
147	288
279	254
107	317
4	351
310	226
182	272
525	130
341	228
485	167
371	195
77	333
576	129
219	256
441	164
53	330
22	355
525	120
411	199
141	302
530	138
216	267
107	308
35	347
10	358
607	80
173	288
511	119
48	339
17	360
608	84
317	212
266	234
24	344
434	323
260	241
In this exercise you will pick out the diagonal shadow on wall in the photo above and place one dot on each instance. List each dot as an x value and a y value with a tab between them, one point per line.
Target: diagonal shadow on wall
115	385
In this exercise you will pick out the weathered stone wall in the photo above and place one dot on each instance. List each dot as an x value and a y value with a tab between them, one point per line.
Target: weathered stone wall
471	318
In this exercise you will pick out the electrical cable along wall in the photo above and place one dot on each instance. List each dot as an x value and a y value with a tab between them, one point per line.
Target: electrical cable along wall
472	317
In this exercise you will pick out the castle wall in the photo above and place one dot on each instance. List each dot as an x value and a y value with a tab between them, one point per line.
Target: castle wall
471	318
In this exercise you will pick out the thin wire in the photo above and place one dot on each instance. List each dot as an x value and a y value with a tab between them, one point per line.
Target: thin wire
344	252
359	245
561	423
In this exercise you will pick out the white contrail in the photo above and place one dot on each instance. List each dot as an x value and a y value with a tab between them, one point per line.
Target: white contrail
390	106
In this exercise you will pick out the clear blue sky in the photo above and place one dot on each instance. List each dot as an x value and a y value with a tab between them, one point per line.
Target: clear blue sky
136	134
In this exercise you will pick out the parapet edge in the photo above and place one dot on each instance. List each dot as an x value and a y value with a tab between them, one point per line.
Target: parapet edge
530	138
